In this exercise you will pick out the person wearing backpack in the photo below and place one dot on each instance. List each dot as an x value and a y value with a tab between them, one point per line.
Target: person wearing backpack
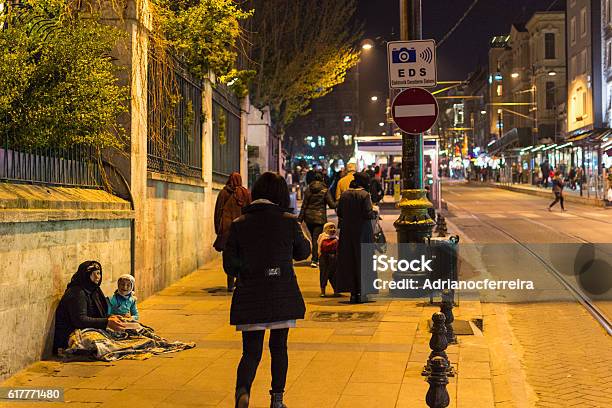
314	212
227	208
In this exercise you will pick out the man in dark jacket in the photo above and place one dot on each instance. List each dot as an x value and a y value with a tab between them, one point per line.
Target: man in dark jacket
355	214
83	305
260	250
314	212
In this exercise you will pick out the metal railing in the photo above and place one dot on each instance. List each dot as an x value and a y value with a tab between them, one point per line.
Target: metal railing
226	133
72	167
174	142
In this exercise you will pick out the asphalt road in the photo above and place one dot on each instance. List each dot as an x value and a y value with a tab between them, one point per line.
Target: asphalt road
508	235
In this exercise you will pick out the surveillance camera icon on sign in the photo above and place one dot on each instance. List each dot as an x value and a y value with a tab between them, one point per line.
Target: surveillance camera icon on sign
403	55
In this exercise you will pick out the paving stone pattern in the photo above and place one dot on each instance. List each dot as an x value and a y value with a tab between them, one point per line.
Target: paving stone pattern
567	355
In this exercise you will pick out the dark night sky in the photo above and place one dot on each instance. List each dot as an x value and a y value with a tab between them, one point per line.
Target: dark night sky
465	50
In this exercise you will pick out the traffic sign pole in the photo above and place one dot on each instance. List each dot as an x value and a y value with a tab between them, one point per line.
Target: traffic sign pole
414	224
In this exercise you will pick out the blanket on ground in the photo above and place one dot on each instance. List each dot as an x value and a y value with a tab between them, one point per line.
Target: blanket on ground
133	344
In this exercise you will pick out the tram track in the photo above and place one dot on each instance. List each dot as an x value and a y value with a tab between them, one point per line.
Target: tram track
576	292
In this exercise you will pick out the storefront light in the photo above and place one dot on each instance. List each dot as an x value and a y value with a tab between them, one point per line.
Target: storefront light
563	145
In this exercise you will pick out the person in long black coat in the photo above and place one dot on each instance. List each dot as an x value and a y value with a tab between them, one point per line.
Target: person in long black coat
83	305
260	250
314	212
355	216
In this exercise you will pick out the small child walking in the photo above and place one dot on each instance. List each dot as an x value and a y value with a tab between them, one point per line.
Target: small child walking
328	246
123	302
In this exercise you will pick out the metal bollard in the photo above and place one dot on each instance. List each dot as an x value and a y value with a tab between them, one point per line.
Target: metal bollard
443	230
437	395
447	309
438	344
438	224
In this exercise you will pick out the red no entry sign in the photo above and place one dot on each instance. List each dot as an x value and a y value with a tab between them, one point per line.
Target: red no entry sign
414	110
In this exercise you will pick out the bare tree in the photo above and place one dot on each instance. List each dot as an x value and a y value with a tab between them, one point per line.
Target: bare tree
300	49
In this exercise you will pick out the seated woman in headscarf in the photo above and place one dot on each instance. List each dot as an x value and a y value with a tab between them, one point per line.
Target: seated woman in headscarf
83	305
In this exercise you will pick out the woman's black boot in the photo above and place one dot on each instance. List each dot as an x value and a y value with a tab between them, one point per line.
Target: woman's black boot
276	400
242	398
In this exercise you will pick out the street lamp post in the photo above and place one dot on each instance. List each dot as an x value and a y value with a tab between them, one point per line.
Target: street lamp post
414	224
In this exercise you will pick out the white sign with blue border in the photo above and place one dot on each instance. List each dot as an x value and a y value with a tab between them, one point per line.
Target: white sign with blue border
412	64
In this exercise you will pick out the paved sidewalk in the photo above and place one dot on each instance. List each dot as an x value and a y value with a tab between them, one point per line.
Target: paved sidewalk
366	361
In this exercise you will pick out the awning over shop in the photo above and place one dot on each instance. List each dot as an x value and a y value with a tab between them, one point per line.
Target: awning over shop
593	136
517	137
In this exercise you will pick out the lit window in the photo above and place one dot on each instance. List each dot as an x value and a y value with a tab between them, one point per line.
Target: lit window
499	90
348	119
321	140
335	140
348	139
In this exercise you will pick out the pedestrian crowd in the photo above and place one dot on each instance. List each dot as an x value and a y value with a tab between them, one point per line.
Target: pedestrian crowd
260	237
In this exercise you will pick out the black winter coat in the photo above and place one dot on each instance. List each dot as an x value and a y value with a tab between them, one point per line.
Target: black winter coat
260	250
314	206
355	216
82	306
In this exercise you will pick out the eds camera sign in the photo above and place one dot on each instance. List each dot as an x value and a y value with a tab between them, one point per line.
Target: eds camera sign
412	64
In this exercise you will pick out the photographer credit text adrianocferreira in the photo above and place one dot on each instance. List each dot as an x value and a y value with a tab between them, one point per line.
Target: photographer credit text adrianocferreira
385	263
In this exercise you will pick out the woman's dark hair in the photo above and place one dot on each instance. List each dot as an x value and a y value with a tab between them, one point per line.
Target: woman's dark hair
271	186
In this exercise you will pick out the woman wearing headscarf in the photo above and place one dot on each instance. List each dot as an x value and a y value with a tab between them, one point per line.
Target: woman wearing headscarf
229	207
355	214
83	305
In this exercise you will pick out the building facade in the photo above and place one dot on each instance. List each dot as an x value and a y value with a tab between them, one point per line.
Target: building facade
327	132
527	85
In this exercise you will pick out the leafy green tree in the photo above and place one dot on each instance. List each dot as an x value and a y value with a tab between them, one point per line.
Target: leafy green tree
300	49
203	33
58	84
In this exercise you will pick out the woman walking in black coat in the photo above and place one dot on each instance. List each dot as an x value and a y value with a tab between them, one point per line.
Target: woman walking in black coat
83	305
355	216
260	250
314	212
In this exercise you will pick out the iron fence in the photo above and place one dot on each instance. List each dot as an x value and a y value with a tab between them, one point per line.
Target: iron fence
72	167
226	133
174	126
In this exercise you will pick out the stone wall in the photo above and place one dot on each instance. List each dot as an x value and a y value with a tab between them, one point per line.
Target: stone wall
45	233
179	230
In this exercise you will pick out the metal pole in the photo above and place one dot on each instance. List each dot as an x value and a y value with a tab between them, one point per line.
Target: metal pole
412	144
414	224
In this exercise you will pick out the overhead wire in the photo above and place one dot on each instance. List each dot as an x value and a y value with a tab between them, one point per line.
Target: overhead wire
452	30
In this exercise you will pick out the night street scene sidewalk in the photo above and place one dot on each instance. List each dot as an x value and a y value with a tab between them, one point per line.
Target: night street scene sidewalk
306	203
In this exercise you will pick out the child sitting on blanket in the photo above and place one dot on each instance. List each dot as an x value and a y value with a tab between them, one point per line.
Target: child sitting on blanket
123	302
